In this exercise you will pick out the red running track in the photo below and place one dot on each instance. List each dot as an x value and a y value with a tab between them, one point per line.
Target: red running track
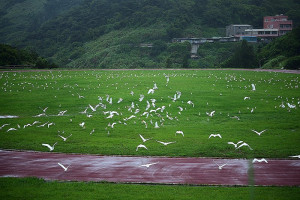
165	171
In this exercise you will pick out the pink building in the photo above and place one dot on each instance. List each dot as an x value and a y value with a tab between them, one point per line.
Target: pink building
279	22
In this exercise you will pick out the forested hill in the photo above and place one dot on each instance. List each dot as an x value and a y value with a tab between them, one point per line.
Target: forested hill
108	33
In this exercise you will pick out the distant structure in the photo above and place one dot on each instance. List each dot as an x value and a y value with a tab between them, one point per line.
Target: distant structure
274	26
196	42
279	22
237	29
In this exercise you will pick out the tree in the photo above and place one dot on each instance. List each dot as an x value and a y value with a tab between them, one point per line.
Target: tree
179	54
244	57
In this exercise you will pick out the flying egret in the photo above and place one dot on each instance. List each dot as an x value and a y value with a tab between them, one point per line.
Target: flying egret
82	124
148	105
50	124
61	113
93	109
144	140
84	112
35	122
246	98
259	160
43	124
11	129
215	135
144	122
291	105
65	138
151	91
211	113
141	97
4	126
40	115
235	145
120	100
79	96
235	117
26	125
44	110
92	131
244	144
112	125
220	166
132	116
164	143
191	103
65	168
148	165
51	148
180	108
179	132
297	156
258	133
141	146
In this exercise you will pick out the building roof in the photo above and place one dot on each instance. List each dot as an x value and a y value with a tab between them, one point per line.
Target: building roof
240	25
262	29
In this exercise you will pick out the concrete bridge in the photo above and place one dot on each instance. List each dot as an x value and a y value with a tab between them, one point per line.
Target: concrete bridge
196	42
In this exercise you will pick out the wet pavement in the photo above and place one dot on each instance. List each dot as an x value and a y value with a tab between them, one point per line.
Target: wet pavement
163	170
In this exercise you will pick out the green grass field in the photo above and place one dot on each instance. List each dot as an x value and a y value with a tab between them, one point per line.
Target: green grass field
26	94
32	188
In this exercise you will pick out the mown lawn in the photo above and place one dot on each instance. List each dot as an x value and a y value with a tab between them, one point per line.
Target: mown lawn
32	188
26	94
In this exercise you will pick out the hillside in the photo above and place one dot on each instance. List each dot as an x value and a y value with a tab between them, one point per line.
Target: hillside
108	34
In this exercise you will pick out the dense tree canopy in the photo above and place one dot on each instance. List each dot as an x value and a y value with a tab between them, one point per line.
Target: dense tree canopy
76	32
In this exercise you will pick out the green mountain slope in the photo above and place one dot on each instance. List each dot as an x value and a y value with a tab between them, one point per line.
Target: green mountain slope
108	33
19	18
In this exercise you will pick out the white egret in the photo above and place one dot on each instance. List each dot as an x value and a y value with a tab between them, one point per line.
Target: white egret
211	113
235	145
220	166
65	138
259	160
141	146
148	165
165	143
215	135
144	140
258	133
179	132
65	168
51	148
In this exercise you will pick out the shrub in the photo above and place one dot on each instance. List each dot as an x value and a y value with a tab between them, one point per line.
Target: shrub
274	63
292	63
